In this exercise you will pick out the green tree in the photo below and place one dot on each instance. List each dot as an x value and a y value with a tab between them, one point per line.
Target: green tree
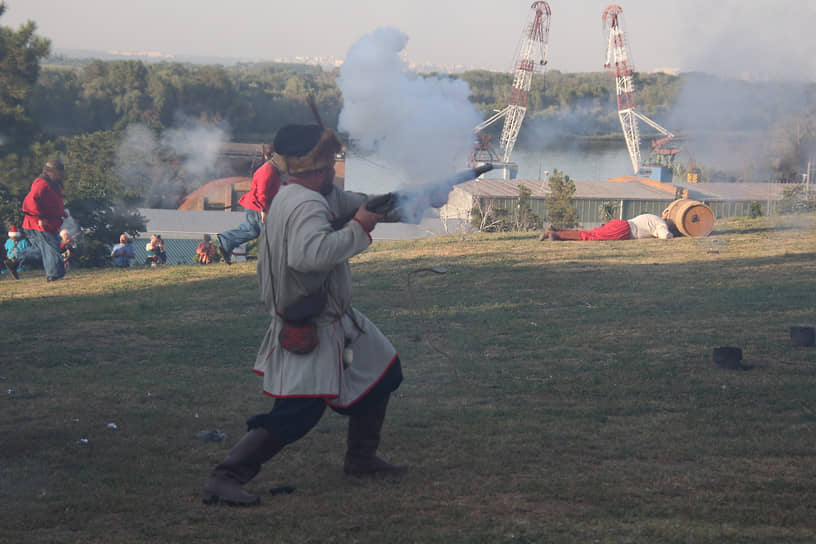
10	211
608	210
18	170
95	195
525	219
20	54
90	161
103	223
561	212
488	217
55	100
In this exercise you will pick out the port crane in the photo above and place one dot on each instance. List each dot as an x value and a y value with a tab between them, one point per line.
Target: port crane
618	60
531	57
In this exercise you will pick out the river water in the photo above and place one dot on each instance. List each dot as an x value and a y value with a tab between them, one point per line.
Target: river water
597	162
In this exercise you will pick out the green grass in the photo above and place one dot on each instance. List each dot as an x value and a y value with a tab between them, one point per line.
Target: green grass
554	392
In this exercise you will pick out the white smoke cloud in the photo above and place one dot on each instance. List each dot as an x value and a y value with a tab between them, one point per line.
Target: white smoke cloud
164	167
139	143
731	123
198	143
764	40
419	125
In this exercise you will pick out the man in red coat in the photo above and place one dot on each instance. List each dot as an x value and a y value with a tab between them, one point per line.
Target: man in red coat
44	211
265	184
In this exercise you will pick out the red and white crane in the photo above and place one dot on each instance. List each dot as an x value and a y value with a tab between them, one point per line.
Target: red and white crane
530	58
617	59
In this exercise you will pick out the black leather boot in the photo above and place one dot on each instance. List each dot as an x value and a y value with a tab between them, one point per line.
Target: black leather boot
222	251
241	465
363	441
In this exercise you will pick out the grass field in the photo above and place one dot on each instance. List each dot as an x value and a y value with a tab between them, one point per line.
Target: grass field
554	392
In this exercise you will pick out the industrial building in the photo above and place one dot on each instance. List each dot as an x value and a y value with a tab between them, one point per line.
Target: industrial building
631	196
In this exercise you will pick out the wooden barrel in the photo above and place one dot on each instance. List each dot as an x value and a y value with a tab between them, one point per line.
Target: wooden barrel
690	217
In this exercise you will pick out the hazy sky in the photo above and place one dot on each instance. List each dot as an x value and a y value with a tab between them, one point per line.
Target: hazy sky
769	38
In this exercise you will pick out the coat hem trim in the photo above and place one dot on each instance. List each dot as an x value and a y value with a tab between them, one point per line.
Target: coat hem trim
364	393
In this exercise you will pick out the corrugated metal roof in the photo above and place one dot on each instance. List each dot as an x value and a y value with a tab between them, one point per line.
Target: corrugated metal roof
508	188
734	191
189	223
193	224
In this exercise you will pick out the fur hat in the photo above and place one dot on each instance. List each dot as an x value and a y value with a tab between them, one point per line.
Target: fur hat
304	148
14	233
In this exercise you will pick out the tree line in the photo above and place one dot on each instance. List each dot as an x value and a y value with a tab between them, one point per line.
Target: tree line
256	99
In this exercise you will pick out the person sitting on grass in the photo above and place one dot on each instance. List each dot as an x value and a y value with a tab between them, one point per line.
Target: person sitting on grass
205	252
15	244
122	252
68	249
155	251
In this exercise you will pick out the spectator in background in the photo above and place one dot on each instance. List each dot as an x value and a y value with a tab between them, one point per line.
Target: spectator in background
265	184
122	252
155	251
158	248
68	249
44	211
205	251
150	259
14	245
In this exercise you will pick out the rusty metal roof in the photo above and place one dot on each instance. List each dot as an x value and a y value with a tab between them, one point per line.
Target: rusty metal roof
734	191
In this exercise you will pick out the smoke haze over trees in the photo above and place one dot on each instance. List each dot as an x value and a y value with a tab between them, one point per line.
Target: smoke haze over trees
256	99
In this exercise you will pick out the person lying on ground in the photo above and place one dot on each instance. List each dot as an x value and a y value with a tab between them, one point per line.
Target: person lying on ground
643	226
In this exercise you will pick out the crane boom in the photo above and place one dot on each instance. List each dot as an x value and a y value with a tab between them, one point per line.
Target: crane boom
653	124
487	122
530	58
617	59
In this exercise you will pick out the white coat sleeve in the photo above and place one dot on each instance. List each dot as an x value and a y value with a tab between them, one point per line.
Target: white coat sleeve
312	244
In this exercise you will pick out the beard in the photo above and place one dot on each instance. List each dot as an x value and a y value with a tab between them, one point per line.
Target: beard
328	182
326	187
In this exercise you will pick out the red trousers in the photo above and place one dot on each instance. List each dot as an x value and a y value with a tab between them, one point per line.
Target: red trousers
615	229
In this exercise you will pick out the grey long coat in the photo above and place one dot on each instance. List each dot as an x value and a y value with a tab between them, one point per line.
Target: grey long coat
299	254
